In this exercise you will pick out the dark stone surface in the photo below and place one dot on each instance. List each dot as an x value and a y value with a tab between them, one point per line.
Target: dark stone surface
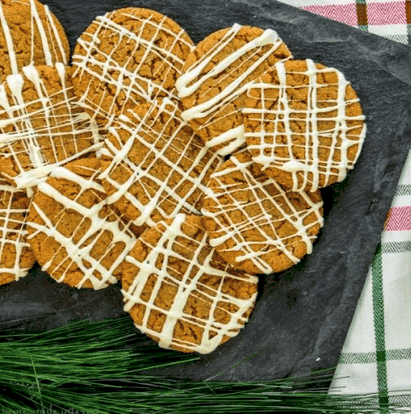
302	315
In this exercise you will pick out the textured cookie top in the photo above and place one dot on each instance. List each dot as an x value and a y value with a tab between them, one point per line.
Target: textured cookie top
157	166
304	124
30	34
76	237
16	257
216	75
41	126
127	57
180	292
255	224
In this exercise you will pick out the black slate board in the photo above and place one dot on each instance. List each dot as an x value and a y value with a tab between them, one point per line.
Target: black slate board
302	315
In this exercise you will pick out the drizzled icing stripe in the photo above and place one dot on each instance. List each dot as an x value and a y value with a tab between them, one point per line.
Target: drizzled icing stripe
47	31
12	233
226	199
56	37
56	130
83	252
152	132
188	286
314	140
194	77
129	83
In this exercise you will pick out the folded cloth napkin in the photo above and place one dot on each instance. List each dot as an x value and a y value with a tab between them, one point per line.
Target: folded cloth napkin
376	357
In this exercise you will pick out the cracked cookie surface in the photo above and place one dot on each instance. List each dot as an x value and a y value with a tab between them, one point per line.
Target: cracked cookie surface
128	57
30	34
215	77
304	124
42	127
157	167
180	292
16	256
76	237
254	223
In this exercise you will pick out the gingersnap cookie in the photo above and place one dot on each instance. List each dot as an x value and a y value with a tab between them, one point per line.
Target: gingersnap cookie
304	124
179	291
76	237
128	57
158	167
254	223
16	257
215	77
30	34
41	125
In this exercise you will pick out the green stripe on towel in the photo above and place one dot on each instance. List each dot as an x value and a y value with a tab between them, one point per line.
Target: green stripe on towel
379	329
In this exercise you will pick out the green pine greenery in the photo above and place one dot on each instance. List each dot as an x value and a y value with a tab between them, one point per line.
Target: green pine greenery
95	368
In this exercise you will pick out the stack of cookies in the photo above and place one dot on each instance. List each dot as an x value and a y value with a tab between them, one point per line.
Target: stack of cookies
184	171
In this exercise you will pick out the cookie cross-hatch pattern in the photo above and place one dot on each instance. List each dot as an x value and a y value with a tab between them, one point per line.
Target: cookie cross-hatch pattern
323	132
127	77
266	209
38	140
164	262
157	142
96	221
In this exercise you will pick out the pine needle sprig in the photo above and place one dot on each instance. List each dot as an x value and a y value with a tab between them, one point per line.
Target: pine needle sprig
97	368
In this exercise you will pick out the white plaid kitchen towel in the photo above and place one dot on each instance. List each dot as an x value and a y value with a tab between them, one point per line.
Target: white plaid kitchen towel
376	357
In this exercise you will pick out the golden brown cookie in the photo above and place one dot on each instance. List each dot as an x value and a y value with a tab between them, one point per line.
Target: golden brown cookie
180	292
256	225
157	167
214	79
76	237
304	124
41	125
127	57
16	257
30	34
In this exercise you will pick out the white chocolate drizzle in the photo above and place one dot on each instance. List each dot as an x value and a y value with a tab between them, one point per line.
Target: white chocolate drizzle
272	206
126	77
19	126
82	253
313	140
152	131
212	109
189	285
12	233
51	42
